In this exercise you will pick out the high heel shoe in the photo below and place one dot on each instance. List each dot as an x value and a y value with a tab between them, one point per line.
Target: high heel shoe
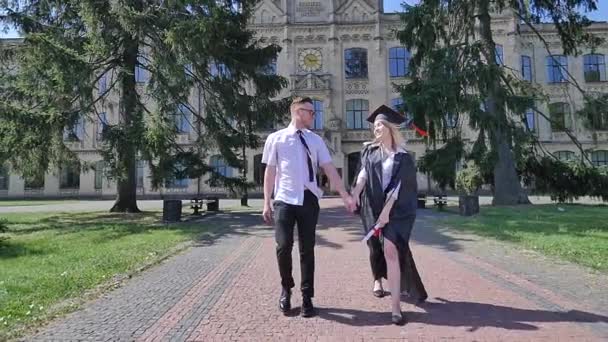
398	319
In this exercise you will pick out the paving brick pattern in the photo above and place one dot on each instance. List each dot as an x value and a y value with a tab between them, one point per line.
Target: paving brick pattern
227	290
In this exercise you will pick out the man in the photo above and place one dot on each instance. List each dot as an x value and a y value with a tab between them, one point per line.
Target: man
290	155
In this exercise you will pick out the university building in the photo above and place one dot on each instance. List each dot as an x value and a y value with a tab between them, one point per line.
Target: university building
344	54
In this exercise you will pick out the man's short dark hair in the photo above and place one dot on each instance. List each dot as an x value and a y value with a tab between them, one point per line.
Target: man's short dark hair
299	100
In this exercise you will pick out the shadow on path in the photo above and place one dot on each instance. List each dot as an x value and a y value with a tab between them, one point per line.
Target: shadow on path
464	314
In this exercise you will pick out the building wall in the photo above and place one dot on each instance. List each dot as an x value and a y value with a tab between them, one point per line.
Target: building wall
331	27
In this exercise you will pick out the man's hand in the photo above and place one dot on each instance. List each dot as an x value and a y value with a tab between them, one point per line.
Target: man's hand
267	213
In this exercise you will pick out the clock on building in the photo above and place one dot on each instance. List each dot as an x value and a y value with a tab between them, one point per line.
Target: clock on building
310	60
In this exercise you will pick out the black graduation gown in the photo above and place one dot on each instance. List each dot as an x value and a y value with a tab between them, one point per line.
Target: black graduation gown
401	218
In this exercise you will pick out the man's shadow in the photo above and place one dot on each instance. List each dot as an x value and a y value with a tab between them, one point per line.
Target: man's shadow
463	314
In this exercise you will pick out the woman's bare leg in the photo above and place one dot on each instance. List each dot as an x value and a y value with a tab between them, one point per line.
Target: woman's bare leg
394	275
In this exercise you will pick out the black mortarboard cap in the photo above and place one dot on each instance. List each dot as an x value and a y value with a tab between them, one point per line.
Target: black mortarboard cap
386	113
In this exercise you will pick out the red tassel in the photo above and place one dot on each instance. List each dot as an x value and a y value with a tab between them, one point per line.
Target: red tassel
420	131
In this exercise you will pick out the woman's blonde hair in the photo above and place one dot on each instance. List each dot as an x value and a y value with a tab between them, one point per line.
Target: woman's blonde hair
396	136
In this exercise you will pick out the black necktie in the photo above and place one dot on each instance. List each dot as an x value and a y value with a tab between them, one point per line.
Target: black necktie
311	178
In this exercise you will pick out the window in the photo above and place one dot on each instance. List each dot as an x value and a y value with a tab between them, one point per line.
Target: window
599	158
140	174
258	169
74	132
355	63
175	182
357	112
564	155
398	61
595	68
141	73
102	84
181	119
560	116
451	120
99	171
270	68
33	182
4	178
318	123
499	54
219	69
188	70
531	120
398	105
599	121
102	126
557	66
526	68
69	177
219	166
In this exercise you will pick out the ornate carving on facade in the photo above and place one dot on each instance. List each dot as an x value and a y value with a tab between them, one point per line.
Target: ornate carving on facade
334	124
358	87
310	82
355	11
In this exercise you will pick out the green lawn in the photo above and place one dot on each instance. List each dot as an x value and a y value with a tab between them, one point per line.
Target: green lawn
51	257
22	203
577	233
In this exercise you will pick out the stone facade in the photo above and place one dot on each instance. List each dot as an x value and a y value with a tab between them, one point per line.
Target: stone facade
344	54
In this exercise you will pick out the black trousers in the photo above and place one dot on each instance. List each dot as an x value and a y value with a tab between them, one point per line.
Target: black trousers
306	216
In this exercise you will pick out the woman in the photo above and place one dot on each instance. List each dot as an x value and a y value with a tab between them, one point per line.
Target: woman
386	191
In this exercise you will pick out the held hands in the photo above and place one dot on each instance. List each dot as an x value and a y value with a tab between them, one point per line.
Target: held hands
349	203
267	213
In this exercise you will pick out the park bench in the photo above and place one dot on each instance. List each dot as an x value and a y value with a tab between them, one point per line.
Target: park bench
196	204
440	201
421	201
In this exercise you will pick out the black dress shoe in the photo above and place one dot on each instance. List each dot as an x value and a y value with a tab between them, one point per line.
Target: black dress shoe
285	301
398	319
379	293
308	310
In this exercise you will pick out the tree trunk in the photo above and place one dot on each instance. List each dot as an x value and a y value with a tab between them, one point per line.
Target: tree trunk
507	189
126	198
244	194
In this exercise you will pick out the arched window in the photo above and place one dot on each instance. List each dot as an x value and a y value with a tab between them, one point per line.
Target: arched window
565	155
599	158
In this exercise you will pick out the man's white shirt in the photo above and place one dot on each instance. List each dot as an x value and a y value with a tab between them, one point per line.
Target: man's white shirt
285	151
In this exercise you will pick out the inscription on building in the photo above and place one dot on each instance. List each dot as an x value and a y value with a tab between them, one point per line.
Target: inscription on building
309	8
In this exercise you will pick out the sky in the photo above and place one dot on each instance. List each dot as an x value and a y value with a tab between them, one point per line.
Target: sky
395	6
600	15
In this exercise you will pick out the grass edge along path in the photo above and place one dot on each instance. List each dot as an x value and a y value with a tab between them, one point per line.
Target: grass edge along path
570	232
51	263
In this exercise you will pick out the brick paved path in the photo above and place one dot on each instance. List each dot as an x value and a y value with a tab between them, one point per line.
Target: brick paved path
227	289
